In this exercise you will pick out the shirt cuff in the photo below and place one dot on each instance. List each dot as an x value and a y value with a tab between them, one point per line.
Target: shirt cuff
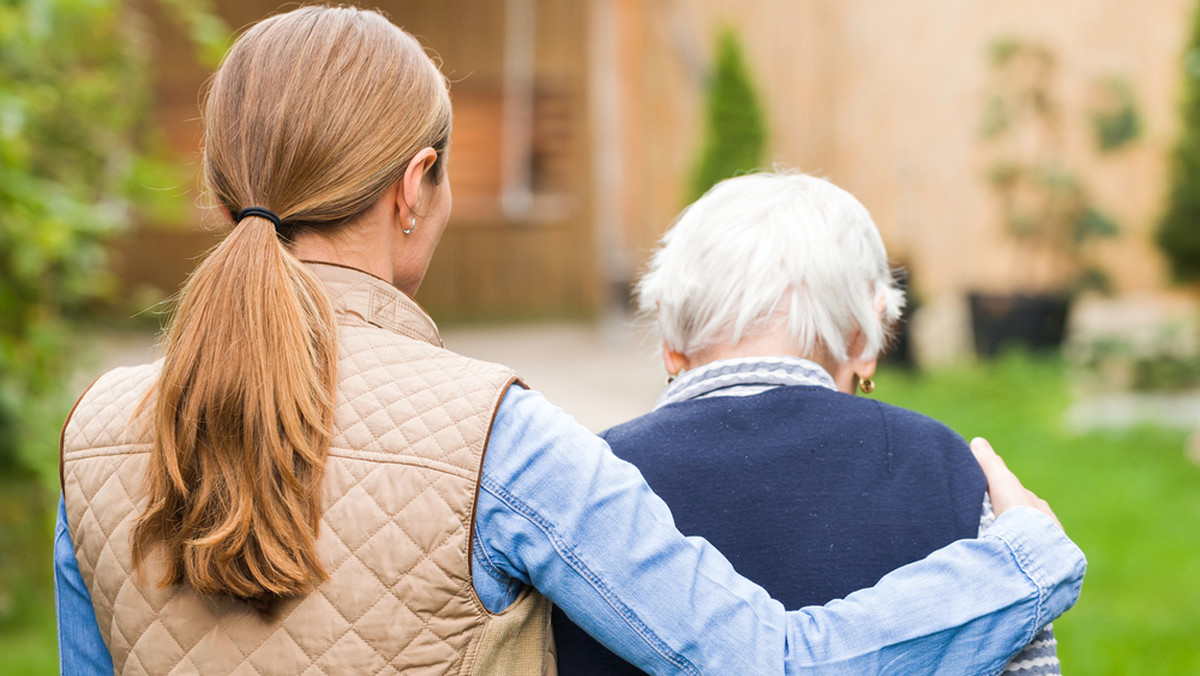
1044	553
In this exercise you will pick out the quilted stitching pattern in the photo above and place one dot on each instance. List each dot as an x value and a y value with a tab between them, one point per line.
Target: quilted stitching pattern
411	421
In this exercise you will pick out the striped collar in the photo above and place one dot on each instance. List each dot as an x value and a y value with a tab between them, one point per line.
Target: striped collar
744	377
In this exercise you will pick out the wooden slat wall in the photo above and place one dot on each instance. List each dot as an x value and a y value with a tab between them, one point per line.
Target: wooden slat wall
882	97
910	95
487	265
475	149
885	98
787	45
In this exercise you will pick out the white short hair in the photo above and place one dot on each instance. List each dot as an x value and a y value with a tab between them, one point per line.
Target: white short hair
766	250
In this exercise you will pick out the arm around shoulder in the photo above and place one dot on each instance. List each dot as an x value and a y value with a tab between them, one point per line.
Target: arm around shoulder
1045	554
559	512
966	608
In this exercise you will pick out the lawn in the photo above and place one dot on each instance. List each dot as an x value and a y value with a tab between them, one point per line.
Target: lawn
1131	500
27	502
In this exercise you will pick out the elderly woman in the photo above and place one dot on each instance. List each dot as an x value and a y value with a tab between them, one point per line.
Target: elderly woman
309	482
773	298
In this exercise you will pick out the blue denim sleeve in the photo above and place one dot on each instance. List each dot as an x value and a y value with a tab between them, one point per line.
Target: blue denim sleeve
559	512
81	649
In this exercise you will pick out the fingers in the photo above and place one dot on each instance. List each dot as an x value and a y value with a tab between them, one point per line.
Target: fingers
1004	486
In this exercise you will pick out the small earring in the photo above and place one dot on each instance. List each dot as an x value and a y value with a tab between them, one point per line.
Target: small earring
412	225
866	385
671	377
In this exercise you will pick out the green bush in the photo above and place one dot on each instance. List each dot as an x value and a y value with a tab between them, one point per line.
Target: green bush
78	154
72	94
78	150
734	133
1179	230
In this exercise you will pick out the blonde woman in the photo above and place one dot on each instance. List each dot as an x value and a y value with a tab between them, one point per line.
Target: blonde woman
310	483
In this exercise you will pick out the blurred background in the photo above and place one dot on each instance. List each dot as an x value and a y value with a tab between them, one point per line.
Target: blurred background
1034	168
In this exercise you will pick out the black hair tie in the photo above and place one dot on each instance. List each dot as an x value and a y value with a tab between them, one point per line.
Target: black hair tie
261	213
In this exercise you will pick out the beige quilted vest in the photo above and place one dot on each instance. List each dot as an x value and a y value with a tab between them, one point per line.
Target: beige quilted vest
410	428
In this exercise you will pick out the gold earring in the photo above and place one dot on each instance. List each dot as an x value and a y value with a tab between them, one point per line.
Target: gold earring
412	225
866	385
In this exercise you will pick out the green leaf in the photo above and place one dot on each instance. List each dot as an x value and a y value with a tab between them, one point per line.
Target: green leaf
79	158
1118	123
1094	223
1002	50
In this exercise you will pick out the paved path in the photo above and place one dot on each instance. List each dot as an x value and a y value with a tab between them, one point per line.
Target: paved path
602	373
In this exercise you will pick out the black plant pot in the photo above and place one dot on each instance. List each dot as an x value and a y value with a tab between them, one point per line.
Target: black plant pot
900	352
1036	322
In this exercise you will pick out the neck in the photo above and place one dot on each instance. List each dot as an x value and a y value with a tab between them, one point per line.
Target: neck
364	244
320	249
774	344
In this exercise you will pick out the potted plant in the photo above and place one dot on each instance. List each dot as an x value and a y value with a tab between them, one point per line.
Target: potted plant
1179	229
1044	206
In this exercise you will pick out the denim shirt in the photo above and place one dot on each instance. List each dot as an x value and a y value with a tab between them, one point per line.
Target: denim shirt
558	511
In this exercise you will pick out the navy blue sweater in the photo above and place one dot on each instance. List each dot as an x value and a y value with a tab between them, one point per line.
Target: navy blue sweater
809	492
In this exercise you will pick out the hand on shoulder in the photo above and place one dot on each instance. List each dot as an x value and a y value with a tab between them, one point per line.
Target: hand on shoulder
1004	486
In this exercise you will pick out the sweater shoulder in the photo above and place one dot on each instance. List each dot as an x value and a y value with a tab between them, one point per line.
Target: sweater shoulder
910	428
820	410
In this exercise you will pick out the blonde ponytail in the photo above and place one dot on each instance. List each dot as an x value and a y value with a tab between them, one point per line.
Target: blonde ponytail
243	417
313	115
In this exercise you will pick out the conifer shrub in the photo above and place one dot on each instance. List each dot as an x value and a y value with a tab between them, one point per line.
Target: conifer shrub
1179	230
735	134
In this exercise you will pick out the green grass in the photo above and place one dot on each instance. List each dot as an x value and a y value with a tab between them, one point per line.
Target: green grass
30	647
1130	500
28	499
27	636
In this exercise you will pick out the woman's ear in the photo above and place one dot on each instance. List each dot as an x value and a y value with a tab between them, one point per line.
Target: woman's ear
413	181
848	373
865	368
674	362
